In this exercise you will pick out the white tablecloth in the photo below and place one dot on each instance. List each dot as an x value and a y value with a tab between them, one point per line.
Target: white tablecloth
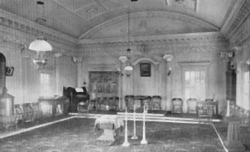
116	120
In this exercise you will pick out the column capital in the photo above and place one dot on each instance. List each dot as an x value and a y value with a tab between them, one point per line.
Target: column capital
77	59
57	55
248	64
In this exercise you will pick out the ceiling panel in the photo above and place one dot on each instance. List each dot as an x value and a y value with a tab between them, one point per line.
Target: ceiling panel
74	5
92	11
190	4
214	11
147	27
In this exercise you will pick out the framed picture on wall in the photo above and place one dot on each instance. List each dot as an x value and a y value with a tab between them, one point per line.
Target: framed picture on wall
145	69
9	71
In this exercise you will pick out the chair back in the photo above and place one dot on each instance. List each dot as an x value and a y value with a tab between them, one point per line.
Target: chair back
192	102
209	100
177	101
129	101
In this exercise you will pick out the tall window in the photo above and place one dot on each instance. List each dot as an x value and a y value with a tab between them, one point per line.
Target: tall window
195	84
45	84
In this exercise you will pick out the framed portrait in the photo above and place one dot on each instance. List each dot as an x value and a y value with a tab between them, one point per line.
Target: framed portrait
145	69
9	71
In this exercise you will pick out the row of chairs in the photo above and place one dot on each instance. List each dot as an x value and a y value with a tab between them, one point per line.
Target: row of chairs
108	103
104	103
193	107
153	102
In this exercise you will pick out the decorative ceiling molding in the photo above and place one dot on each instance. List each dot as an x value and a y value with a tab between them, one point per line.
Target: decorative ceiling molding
170	38
16	22
241	34
156	48
150	14
195	65
102	67
236	20
15	37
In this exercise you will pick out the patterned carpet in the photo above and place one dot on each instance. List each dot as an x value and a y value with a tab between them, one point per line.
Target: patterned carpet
79	135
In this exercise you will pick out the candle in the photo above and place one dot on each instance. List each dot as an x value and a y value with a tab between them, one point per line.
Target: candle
134	136
228	108
126	143
144	141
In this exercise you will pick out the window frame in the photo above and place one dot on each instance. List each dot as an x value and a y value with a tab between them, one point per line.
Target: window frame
195	66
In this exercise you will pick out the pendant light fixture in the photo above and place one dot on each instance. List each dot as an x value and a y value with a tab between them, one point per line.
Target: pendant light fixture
40	45
128	69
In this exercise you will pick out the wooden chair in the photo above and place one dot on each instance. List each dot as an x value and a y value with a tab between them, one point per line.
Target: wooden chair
113	103
192	105
156	103
105	105
205	108
83	107
129	102
92	101
146	101
99	103
177	105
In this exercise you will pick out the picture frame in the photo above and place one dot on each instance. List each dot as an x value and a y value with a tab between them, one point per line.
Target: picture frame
9	71
145	69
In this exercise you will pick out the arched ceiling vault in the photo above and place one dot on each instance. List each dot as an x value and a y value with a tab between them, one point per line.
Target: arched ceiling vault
149	23
91	19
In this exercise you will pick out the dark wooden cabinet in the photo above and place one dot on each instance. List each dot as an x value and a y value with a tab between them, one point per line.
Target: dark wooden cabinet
231	84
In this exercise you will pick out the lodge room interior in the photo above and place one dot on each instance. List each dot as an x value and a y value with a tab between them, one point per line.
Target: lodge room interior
157	63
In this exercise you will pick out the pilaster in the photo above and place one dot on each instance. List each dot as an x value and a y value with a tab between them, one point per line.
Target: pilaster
122	80
168	80
78	62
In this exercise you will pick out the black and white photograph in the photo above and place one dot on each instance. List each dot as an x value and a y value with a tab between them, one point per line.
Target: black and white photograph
124	75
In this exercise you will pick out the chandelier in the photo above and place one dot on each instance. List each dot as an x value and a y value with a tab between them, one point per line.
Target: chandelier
40	44
128	68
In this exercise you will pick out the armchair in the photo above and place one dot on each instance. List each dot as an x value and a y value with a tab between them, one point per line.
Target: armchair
192	105
129	102
83	107
177	105
156	103
206	108
113	103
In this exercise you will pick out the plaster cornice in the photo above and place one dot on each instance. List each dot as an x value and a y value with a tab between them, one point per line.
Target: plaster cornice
16	37
16	22
242	34
155	47
170	38
242	9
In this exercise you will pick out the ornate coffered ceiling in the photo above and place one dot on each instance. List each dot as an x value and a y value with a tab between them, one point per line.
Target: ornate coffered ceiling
91	19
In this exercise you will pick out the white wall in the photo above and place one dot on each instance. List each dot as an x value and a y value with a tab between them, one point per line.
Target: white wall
24	85
159	83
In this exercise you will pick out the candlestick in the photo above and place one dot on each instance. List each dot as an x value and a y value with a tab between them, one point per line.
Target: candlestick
144	141
228	108
134	136
126	143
